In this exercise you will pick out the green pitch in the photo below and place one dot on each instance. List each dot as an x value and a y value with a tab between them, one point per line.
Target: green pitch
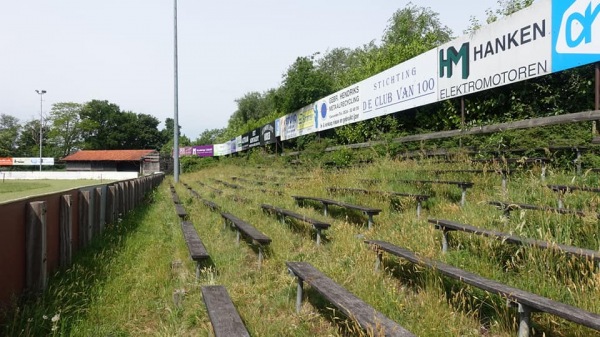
17	189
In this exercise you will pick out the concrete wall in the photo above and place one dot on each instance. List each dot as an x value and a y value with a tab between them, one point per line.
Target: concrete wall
71	175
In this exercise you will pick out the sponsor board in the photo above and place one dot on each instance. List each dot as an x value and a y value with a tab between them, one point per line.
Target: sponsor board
33	161
220	149
254	138
202	150
267	134
575	33
511	50
185	151
405	86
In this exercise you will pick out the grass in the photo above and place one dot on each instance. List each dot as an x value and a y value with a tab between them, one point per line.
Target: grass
17	189
123	284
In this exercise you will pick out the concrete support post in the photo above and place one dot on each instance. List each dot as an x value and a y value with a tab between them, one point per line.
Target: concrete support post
66	231
36	246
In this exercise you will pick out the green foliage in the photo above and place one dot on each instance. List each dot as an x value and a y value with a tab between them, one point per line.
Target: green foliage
9	132
65	131
190	164
209	136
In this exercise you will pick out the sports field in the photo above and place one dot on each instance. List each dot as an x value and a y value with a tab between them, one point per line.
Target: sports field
17	189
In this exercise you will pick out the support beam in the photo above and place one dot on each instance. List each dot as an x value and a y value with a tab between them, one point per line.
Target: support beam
66	231
85	228
36	246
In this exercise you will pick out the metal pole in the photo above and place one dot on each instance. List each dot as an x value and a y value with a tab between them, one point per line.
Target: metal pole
176	113
41	92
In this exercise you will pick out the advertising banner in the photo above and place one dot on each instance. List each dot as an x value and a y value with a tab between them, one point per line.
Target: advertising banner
185	151
220	150
267	134
254	138
340	108
245	141
6	161
277	129
288	126
232	146
238	143
575	33
511	50
202	150
33	161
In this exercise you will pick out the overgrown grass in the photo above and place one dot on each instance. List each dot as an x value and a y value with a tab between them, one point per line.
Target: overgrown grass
16	189
123	284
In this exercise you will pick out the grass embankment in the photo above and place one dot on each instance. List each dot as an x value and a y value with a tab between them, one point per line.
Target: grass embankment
17	189
123	285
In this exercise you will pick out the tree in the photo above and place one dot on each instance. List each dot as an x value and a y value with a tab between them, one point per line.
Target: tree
414	23
302	85
209	136
65	132
106	127
9	133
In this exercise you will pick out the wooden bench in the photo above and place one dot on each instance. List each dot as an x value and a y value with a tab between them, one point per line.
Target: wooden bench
225	320
224	183
369	319
216	190
214	207
563	189
259	239
504	174
534	160
180	210
419	198
463	185
370	212
525	301
508	207
447	226
316	224
198	252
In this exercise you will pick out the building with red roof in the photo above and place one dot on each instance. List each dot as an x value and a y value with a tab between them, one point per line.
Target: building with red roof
142	161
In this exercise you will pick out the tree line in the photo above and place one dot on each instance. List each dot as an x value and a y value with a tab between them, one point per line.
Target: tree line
95	125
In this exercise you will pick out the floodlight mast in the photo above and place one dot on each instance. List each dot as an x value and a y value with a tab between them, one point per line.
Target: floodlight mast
41	92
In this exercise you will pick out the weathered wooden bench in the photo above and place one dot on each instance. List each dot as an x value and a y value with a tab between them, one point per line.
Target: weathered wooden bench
419	198
447	226
225	319
198	252
367	317
216	190
230	185
214	207
525	301
316	224
369	211
259	239
463	185
508	207
180	210
502	172
563	189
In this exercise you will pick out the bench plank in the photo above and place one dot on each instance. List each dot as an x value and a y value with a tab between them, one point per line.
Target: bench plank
247	229
326	202
317	224
180	211
354	308
510	206
223	316
195	246
517	240
571	313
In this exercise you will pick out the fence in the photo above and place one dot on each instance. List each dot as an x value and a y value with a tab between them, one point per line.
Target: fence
40	234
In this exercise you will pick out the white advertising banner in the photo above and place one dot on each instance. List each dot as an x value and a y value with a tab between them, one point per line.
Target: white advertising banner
301	122
32	161
513	49
221	149
340	108
405	86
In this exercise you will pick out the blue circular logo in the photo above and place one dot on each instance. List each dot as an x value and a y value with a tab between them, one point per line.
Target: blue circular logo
324	110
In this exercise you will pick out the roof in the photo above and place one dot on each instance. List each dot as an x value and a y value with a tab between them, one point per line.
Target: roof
109	155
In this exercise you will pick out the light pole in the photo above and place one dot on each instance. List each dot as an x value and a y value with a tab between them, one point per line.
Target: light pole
176	99
41	92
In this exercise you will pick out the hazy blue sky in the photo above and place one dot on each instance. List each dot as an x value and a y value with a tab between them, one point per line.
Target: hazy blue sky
122	50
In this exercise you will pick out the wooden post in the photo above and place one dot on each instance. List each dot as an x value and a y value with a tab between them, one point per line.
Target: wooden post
597	98
126	198
462	119
97	227
66	232
85	230
109	210
299	294
36	246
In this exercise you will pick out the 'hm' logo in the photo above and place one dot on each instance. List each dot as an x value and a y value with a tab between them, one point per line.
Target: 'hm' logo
579	28
452	58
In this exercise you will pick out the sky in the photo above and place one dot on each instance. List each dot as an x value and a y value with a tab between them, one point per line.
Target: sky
122	50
